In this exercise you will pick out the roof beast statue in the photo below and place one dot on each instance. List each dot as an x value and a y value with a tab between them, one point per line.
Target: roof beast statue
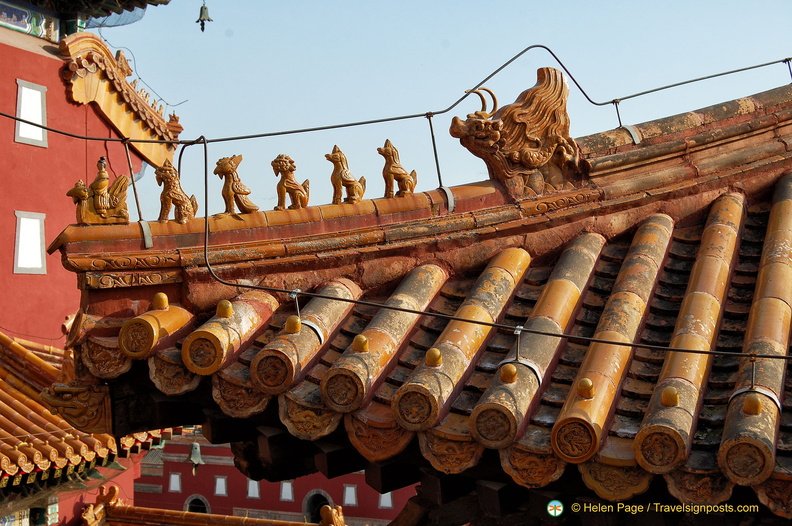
526	145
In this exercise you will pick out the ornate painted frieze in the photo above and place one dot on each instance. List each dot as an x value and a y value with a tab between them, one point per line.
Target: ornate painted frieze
27	19
526	145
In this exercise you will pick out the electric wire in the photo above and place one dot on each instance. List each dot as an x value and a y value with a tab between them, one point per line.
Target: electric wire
467	93
204	141
517	329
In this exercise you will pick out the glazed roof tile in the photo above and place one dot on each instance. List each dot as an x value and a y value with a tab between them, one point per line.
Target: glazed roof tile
532	325
34	441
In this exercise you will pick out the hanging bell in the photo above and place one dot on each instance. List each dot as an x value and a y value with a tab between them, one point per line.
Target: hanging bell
203	18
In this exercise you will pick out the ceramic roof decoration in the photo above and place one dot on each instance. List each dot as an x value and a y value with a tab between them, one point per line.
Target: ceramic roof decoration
484	338
40	449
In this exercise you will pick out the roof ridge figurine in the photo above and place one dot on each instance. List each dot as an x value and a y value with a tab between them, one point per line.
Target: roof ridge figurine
342	178
526	145
394	171
233	189
284	166
173	195
101	202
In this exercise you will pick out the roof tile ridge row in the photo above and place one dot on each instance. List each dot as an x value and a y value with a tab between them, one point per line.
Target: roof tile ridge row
731	116
501	413
577	433
423	400
751	427
45	371
666	434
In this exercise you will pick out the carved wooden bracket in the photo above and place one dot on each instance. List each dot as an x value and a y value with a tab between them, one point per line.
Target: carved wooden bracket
93	74
86	407
526	145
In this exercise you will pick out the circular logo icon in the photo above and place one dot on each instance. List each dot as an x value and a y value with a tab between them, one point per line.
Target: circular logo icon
555	508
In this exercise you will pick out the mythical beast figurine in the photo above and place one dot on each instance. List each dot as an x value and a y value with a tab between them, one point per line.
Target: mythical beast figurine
342	178
233	189
284	166
394	171
173	195
526	145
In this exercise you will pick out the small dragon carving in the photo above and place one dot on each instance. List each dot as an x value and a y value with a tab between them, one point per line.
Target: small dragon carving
526	145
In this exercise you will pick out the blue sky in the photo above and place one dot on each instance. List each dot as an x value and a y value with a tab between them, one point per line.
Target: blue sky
265	66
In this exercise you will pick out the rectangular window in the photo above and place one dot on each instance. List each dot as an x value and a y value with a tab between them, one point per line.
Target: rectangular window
386	500
174	482
350	495
29	255
253	489
31	106
287	491
221	489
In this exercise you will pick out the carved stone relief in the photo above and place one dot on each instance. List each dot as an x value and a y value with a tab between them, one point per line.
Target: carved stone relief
307	423
237	401
530	469
376	443
103	358
450	456
615	482
699	488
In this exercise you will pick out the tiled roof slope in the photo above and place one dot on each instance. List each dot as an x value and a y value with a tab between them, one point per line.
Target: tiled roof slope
501	331
38	448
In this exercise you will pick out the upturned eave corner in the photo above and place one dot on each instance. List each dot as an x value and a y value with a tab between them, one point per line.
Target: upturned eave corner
93	74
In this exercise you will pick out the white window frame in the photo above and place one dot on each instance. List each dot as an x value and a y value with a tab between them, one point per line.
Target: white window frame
221	486
386	501
28	249
253	489
33	110
174	482
350	495
287	491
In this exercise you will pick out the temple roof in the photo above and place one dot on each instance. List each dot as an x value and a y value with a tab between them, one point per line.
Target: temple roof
96	8
110	510
37	447
622	312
